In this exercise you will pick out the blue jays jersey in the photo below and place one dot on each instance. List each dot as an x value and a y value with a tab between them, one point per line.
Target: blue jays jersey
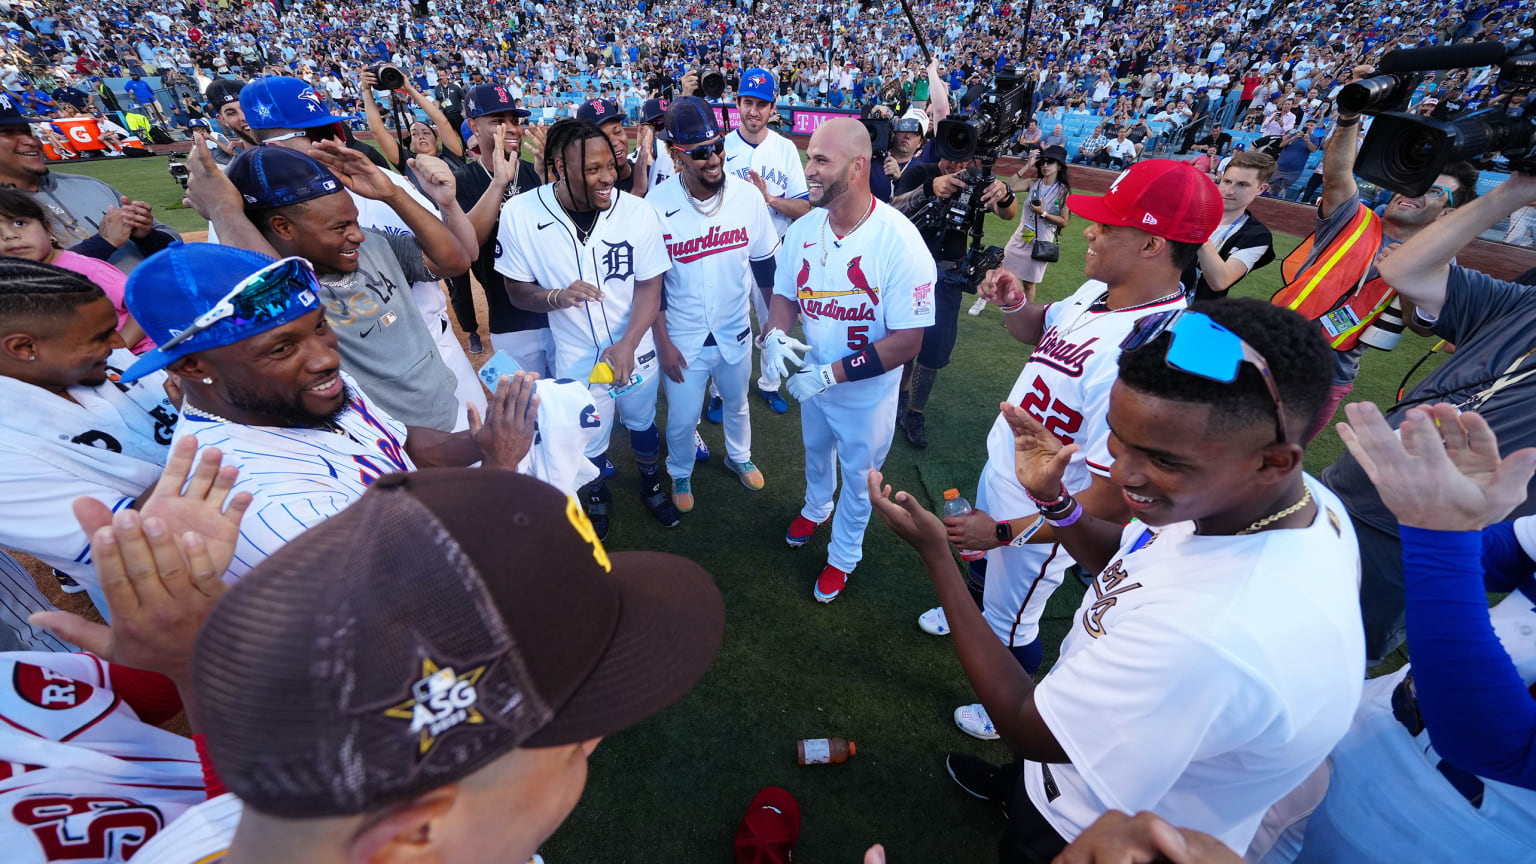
776	160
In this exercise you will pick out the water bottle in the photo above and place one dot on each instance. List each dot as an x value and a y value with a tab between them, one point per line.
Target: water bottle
954	505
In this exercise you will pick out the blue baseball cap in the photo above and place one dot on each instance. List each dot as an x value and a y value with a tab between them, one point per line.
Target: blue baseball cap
690	122
599	111
492	99
270	177
759	84
465	133
278	102
654	109
171	288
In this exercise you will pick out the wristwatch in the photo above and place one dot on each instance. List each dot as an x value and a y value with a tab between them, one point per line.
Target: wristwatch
1004	532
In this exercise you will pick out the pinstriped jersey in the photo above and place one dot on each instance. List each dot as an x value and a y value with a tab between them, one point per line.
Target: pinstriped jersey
299	477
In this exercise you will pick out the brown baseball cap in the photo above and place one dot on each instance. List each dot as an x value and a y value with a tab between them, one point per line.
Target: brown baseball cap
445	618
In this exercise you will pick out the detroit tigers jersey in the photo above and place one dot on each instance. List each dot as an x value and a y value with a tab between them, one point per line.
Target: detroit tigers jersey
711	277
539	244
877	279
82	777
1065	385
776	160
1204	677
299	477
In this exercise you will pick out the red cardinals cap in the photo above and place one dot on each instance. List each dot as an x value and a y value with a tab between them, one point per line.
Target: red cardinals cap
445	618
768	832
1159	196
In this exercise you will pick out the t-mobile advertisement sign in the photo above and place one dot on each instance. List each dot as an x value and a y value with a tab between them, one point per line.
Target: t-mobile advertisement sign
803	121
727	116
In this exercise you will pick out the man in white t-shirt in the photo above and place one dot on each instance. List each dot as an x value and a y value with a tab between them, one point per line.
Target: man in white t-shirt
1218	655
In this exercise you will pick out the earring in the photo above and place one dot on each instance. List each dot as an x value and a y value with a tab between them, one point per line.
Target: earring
207	380
33	357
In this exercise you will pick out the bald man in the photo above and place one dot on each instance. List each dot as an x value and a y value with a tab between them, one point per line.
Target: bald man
862	279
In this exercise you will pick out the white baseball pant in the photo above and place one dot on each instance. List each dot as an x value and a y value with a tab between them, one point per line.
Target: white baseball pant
686	399
765	382
848	426
636	409
1020	579
532	350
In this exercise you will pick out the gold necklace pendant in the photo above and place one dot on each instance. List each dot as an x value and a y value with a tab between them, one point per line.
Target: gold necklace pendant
1306	498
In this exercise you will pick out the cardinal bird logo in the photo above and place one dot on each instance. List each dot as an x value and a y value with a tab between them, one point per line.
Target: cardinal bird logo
805	275
857	278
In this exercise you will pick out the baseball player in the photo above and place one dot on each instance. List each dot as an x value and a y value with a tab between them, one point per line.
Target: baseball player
858	275
633	168
772	163
1153	217
720	241
653	115
592	258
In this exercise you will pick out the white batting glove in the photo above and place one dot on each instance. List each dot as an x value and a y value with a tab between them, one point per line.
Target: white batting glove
781	353
812	379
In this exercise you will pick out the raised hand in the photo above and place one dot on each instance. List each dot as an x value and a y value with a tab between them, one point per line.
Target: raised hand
503	164
208	190
437	179
909	520
1039	460
354	170
1441	470
1001	288
511	418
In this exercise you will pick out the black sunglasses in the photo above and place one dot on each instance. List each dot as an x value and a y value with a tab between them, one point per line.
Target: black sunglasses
703	151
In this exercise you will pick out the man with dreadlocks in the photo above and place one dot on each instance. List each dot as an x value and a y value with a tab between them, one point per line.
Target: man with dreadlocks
592	257
70	428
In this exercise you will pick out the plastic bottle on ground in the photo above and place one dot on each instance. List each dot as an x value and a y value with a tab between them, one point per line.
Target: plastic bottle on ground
823	751
954	505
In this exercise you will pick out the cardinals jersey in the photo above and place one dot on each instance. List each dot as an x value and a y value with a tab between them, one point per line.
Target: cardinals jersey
82	778
540	244
877	279
711	277
776	160
1065	385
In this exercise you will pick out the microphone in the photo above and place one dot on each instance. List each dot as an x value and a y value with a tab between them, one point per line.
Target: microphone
1408	60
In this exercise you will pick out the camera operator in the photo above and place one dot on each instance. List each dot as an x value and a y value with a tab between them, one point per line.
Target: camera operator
907	136
435	138
920	185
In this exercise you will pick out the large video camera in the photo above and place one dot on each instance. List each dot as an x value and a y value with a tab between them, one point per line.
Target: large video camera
711	85
953	226
1404	152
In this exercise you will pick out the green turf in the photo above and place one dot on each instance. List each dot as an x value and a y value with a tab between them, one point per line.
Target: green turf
674	788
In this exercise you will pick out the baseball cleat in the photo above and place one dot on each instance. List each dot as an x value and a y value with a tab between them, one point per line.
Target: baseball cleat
67	583
800	531
682	494
750	476
700	449
657	502
829	584
978	307
596	500
474	344
978	777
715	410
913	424
974	721
934	622
774	400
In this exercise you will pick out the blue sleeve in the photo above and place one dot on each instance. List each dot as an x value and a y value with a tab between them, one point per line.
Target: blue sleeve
1475	301
1479	713
1506	565
763	272
94	246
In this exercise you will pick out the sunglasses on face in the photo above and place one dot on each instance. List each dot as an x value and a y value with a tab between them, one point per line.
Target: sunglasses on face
1439	190
1203	348
703	151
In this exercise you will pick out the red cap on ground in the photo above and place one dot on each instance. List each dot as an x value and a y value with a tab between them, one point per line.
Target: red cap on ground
768	832
1160	196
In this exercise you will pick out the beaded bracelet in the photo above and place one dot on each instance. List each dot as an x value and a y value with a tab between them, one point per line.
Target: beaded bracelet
1058	503
1009	310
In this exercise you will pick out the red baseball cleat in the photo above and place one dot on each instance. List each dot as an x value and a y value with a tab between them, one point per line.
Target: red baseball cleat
830	584
800	531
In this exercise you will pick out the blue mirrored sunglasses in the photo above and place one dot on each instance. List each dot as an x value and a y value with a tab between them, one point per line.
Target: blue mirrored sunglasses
1200	346
266	295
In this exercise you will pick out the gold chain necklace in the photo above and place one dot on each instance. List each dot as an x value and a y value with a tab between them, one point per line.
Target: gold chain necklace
1306	498
867	214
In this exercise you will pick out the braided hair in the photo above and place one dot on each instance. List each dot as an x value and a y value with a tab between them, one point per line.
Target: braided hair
571	130
34	289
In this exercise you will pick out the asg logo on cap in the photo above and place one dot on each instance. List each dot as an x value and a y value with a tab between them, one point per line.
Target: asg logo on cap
440	700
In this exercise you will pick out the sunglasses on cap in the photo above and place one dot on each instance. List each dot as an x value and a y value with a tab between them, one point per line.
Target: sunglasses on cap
265	295
1201	347
314	133
908	124
703	151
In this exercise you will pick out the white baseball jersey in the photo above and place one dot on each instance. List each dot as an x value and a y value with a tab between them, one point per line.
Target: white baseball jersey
776	160
878	279
1204	677
299	477
661	166
539	244
708	285
82	778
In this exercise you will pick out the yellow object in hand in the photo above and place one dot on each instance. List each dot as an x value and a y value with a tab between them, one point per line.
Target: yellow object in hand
602	373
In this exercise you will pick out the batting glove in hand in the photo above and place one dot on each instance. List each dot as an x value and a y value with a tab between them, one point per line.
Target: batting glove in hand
781	352
812	378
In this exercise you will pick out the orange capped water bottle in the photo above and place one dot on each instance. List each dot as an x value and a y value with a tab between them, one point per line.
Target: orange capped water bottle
823	751
954	505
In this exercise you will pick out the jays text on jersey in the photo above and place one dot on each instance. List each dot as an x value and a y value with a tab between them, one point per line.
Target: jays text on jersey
776	160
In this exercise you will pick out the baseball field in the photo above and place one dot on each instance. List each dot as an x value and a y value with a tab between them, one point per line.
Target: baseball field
673	789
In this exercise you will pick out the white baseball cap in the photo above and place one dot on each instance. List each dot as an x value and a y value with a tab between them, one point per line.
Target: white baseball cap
920	116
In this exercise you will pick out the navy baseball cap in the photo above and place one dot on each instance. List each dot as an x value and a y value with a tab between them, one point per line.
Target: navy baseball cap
690	122
222	91
170	289
599	111
278	102
270	177
10	114
759	84
654	110
485	99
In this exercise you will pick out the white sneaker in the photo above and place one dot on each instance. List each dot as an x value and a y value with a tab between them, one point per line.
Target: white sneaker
976	307
973	721
934	622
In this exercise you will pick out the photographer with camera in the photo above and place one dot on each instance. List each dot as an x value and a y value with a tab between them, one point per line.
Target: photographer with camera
435	138
907	136
959	172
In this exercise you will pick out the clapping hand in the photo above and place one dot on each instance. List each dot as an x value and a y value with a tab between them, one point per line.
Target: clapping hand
1441	470
511	418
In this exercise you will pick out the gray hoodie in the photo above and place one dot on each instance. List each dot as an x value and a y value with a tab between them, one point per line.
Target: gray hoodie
75	204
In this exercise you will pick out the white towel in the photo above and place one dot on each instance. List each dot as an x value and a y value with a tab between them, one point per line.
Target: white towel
567	421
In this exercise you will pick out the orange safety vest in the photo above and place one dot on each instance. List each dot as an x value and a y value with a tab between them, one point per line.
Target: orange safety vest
1333	290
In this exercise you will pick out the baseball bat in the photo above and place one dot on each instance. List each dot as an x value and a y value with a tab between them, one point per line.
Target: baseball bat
917	32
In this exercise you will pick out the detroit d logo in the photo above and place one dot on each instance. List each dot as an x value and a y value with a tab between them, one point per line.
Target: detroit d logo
618	261
440	700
